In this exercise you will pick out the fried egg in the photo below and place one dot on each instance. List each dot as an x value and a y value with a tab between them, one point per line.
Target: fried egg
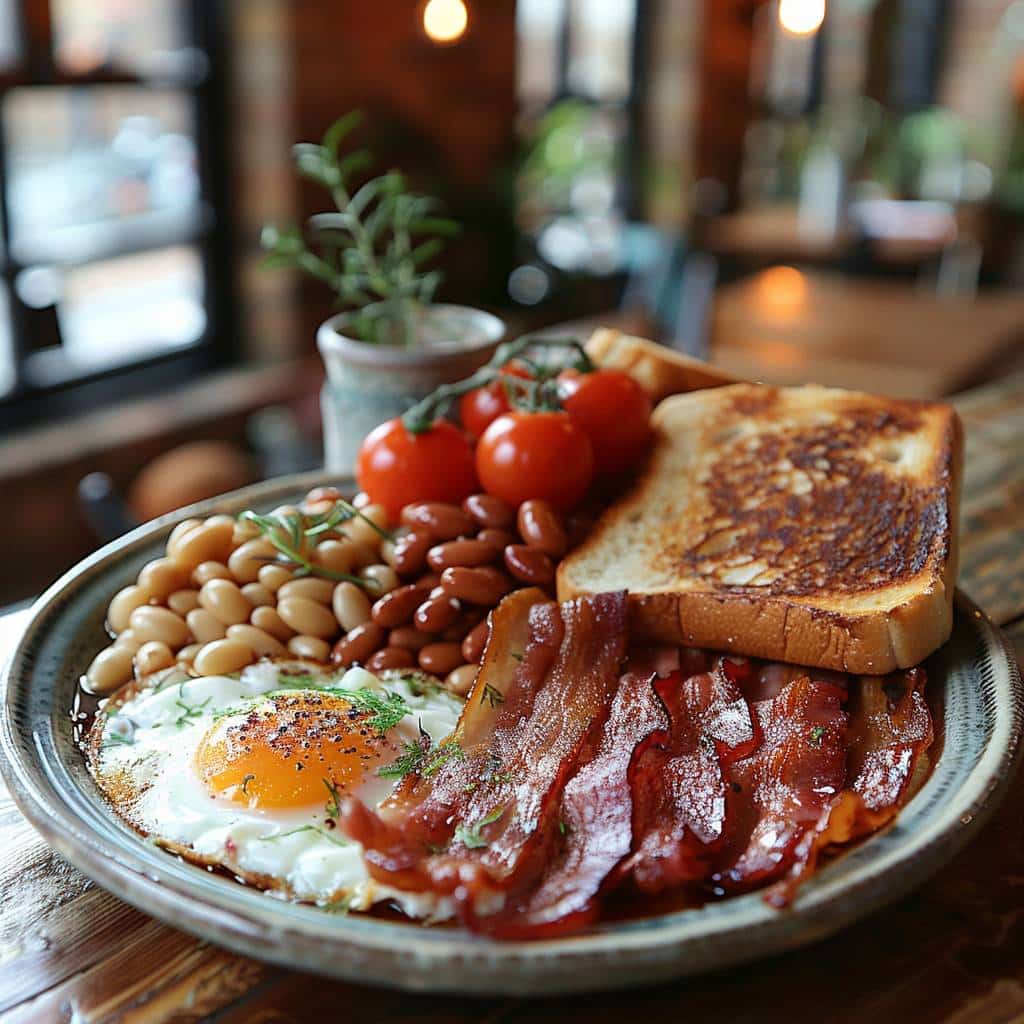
245	772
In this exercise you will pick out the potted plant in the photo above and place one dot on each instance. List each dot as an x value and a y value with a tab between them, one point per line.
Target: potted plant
390	344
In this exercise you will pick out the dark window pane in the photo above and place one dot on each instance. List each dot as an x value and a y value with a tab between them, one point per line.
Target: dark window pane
88	166
9	34
8	374
120	311
136	36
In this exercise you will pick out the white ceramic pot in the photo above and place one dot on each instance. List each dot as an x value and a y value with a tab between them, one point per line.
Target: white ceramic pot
370	383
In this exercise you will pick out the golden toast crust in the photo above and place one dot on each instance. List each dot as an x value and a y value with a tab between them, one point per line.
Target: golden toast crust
809	525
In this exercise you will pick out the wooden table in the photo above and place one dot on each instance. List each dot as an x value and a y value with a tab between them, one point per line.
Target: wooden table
953	951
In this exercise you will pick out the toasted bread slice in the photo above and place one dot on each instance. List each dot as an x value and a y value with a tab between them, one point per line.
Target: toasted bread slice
659	370
808	525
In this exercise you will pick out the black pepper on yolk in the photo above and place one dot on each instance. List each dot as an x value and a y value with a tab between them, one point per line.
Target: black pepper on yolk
283	751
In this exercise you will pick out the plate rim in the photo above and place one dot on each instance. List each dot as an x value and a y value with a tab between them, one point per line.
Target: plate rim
484	966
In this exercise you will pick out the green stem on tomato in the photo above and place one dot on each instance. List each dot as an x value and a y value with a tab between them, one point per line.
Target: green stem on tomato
422	416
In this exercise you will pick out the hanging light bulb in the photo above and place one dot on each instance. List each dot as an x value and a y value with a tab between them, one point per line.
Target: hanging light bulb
445	21
801	17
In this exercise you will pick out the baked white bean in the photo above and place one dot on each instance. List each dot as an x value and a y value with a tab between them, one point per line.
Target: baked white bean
245	562
151	657
245	529
208	542
309	647
308	617
223	599
207	571
273	577
267	619
152	623
179	531
316	588
336	555
379	579
121	606
111	668
223	656
127	638
258	595
161	577
368	532
188	653
262	643
205	626
460	680
183	601
351	605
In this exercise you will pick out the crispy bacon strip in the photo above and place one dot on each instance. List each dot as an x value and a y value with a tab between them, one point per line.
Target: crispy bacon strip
889	736
484	820
781	791
595	823
680	789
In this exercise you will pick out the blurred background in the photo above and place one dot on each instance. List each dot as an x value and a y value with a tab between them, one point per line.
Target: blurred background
793	189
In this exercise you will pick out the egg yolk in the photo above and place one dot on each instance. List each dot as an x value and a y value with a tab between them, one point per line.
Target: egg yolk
289	751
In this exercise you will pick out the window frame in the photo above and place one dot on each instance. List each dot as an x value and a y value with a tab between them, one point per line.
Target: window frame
205	24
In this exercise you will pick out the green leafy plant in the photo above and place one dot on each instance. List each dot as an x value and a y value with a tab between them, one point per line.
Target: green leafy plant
375	250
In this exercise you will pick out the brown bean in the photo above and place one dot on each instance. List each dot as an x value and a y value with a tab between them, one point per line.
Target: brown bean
436	613
410	553
409	637
475	642
468	619
499	538
440	659
461	552
529	565
358	644
481	585
397	607
541	528
308	617
390	657
460	681
438	520
489	511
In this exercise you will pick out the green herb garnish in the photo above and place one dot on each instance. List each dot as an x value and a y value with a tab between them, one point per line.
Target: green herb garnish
189	712
470	835
246	779
114	739
340	906
385	710
815	735
302	828
491	695
449	751
333	806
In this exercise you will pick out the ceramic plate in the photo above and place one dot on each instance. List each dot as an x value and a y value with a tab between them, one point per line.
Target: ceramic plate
975	675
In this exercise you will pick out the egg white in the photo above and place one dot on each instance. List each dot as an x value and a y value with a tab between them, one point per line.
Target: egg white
143	756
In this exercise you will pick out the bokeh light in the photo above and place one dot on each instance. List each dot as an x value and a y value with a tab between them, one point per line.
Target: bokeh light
445	21
801	17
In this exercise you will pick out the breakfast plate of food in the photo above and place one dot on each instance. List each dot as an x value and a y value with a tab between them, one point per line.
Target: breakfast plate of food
605	669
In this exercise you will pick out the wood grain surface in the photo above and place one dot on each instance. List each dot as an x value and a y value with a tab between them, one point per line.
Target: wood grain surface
952	952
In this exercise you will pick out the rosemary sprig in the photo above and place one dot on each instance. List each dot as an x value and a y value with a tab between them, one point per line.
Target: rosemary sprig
271	837
386	710
536	394
374	252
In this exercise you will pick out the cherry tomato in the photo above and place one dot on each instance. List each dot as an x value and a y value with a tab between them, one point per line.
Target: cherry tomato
526	455
396	468
479	408
613	410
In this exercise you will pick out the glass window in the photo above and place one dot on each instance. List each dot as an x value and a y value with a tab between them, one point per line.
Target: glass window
90	166
8	370
9	34
601	38
135	35
538	26
120	311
